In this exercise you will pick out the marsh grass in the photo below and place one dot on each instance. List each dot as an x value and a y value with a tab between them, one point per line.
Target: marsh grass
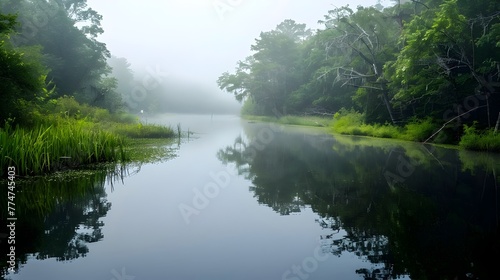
49	148
418	130
64	134
293	120
66	110
140	130
480	141
352	123
66	143
150	150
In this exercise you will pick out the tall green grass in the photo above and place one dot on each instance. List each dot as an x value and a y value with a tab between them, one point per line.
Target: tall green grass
48	148
139	130
481	141
418	130
352	123
67	110
293	120
65	134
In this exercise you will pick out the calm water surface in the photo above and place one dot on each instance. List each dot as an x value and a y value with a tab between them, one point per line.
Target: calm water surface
260	201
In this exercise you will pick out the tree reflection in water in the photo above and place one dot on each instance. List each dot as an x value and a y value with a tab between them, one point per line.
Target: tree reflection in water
58	216
440	222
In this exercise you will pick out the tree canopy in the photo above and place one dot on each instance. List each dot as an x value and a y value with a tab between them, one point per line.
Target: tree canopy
52	47
394	64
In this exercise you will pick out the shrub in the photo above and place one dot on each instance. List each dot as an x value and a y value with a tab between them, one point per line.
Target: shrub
347	122
418	130
485	141
351	122
387	131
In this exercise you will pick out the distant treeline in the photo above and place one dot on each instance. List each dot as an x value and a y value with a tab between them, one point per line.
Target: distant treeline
413	60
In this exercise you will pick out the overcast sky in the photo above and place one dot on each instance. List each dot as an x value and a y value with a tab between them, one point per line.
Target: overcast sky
198	40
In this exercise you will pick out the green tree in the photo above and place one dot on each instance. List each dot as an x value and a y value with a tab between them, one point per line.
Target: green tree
361	43
22	76
124	77
67	31
450	52
272	73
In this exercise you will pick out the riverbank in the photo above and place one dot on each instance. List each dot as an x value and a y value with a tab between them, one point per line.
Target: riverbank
46	149
78	136
293	120
424	131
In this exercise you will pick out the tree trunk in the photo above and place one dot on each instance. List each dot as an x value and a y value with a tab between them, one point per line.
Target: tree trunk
388	105
498	123
488	111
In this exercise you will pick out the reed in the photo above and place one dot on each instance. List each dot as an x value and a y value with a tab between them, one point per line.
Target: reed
50	148
139	130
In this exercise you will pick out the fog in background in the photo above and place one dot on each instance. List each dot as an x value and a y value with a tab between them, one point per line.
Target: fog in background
181	47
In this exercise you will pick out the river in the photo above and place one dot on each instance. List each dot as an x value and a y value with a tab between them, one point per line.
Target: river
244	200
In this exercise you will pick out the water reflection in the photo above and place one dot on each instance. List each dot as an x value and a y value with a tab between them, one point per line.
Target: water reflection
60	215
413	210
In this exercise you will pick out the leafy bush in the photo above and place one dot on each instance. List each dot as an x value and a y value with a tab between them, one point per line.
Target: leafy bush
67	106
485	141
387	131
419	130
348	122
351	122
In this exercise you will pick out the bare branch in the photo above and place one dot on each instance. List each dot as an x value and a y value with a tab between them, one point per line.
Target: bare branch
434	134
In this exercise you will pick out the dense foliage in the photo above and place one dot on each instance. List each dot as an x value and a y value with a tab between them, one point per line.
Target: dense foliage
60	106
398	64
49	49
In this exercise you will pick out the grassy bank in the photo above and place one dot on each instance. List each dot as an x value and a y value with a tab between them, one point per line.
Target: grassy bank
293	120
48	148
480	141
351	123
140	130
68	134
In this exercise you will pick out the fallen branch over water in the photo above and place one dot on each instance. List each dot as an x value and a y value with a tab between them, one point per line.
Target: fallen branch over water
446	123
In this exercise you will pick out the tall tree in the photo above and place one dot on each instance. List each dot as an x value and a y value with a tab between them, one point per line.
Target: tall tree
451	52
362	42
272	73
67	31
22	76
124	77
